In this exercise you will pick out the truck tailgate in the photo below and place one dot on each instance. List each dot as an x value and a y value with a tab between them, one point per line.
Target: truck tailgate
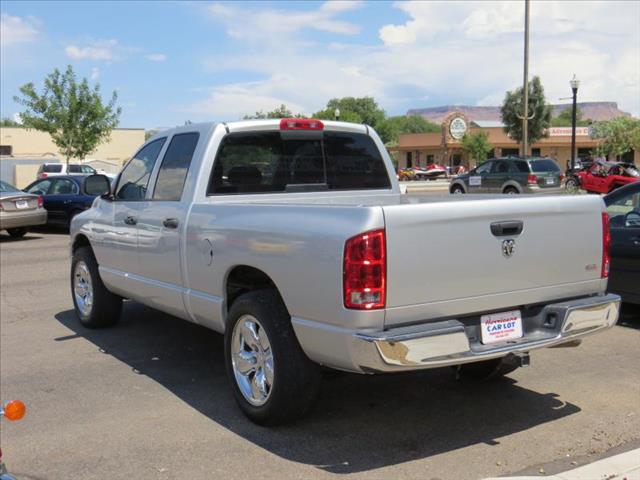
444	260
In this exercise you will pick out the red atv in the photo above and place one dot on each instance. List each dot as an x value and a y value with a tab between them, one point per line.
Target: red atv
603	177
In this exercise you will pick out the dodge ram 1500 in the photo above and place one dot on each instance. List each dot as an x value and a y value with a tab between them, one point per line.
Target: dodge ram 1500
292	238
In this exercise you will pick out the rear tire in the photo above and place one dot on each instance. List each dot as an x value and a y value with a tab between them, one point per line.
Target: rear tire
457	190
272	379
486	370
95	306
17	232
511	191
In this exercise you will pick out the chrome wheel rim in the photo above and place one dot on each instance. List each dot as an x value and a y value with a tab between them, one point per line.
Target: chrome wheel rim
83	288
252	360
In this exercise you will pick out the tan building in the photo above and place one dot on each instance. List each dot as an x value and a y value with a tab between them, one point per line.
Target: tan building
23	150
21	142
445	148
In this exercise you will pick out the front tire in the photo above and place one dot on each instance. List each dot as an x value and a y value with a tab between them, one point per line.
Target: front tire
95	306
457	190
272	379
571	185
17	232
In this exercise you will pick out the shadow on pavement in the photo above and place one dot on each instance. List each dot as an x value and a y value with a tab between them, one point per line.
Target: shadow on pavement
360	423
9	239
630	316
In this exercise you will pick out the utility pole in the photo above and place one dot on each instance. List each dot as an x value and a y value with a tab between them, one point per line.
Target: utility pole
575	83
525	84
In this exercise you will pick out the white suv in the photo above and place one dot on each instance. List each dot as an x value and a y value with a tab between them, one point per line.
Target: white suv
55	169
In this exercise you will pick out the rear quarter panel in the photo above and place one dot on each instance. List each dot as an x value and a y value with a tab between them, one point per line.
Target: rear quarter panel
300	247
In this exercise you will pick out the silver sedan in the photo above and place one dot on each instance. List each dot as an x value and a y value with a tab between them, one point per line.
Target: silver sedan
19	210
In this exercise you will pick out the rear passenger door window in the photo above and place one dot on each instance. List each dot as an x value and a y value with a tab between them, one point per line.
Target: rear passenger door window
63	186
132	185
175	166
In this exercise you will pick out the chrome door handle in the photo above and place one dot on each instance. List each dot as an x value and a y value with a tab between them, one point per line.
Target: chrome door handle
130	221
170	223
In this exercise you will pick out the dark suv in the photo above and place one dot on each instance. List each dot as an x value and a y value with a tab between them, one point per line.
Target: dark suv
511	175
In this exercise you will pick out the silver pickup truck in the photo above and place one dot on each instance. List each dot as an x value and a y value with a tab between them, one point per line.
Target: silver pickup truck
291	237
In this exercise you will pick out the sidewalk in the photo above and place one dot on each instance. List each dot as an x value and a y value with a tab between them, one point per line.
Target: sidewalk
625	466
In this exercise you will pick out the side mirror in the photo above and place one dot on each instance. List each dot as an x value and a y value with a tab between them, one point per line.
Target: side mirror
97	185
632	219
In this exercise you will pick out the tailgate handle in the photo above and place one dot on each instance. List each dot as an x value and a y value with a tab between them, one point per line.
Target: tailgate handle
507	229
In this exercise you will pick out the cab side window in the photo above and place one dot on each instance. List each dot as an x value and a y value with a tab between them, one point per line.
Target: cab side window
174	167
40	188
134	179
484	168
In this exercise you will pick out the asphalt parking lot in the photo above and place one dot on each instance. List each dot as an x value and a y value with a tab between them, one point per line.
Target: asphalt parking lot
149	399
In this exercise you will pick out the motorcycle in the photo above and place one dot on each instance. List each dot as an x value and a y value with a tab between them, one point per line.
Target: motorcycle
12	411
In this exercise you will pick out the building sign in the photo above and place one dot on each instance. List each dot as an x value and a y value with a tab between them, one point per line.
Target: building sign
566	131
457	128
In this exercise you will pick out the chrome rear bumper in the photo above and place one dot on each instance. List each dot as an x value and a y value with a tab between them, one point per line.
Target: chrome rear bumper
452	342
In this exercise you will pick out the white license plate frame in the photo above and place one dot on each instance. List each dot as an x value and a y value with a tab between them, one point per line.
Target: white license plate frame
549	181
501	327
22	204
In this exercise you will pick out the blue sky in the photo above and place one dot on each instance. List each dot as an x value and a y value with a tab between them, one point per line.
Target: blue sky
173	61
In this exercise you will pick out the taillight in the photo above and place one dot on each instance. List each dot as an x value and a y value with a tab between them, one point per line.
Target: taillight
40	201
43	175
532	179
365	271
562	177
301	124
606	245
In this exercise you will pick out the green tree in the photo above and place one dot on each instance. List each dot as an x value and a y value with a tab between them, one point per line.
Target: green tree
564	119
346	116
617	136
8	122
70	111
280	112
392	127
512	109
476	145
357	110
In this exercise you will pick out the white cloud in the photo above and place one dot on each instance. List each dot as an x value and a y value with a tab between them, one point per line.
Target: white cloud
264	24
453	52
95	73
157	57
97	50
14	30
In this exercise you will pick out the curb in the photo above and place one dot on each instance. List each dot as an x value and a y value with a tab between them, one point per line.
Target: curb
625	466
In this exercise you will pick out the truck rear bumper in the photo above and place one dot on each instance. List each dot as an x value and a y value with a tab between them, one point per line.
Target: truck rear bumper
452	342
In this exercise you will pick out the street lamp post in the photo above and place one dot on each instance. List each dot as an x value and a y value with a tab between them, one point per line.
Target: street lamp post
575	83
336	114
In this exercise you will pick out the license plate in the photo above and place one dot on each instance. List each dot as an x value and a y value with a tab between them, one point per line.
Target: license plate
22	204
550	181
499	327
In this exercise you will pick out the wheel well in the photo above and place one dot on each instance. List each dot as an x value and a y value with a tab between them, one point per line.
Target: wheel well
243	279
456	186
80	241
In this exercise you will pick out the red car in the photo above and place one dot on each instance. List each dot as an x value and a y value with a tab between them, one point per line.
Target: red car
604	177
